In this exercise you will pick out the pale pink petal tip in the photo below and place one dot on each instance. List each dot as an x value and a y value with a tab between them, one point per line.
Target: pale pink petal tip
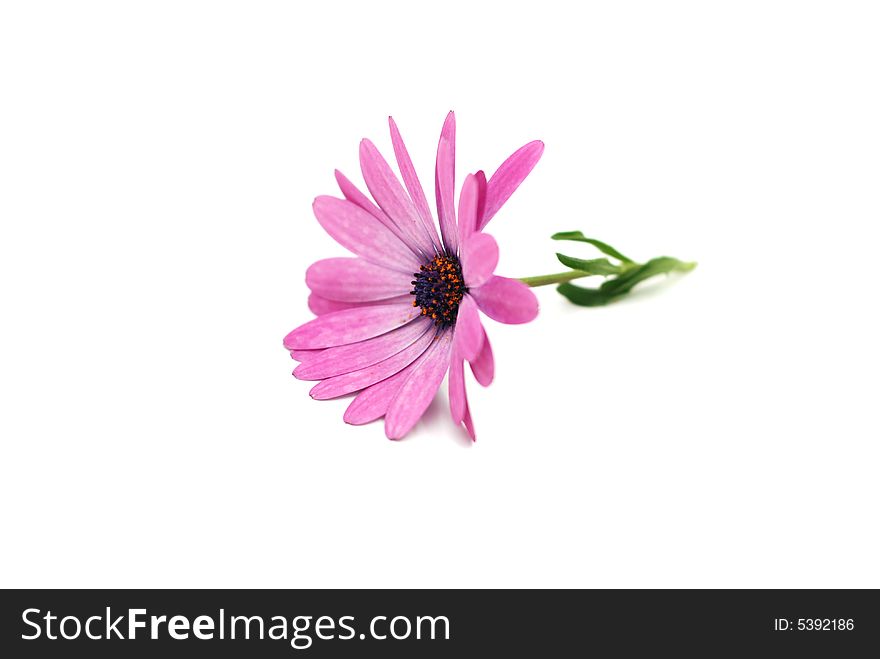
469	424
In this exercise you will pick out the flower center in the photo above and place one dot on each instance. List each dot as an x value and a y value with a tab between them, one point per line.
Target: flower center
439	288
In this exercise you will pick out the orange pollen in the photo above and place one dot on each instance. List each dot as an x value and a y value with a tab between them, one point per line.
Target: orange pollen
439	288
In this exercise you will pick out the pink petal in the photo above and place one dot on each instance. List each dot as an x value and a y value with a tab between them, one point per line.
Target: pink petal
507	178
348	382
356	280
355	229
351	193
457	392
372	402
479	257
350	326
321	305
468	329
468	202
481	197
304	355
483	367
444	180
355	356
413	185
469	424
417	392
391	196
506	300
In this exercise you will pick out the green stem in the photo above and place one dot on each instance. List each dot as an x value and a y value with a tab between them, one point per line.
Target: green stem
558	278
568	275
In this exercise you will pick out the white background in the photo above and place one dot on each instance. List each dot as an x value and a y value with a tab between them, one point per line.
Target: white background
157	167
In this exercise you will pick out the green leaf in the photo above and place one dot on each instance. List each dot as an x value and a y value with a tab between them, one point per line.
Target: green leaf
617	287
602	267
605	248
585	297
660	266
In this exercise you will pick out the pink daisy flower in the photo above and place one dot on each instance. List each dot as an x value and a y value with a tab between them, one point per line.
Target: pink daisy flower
394	319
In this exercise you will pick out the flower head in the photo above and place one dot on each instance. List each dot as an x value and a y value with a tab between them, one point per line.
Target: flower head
394	319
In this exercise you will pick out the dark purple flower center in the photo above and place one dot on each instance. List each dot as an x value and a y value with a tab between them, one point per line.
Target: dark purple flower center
439	288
